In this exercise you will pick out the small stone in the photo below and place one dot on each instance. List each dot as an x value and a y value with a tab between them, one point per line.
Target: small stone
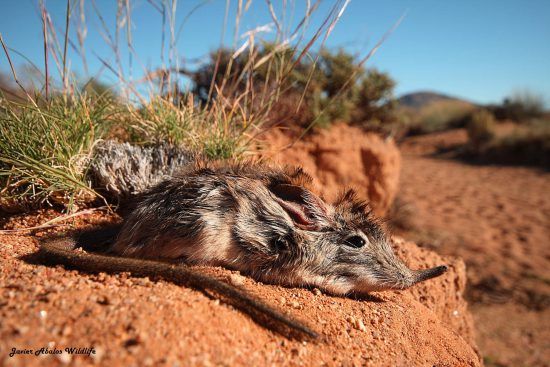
361	326
317	291
143	281
103	300
21	329
66	330
43	314
295	304
64	358
98	355
236	279
356	323
282	300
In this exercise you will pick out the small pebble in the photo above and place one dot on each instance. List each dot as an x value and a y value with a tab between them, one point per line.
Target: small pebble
361	326
22	329
316	292
236	279
356	323
98	355
103	300
64	358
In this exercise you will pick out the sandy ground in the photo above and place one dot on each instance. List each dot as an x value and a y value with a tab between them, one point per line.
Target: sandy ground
497	219
132	321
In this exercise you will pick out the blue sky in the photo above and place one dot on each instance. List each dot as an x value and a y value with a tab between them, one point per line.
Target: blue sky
478	50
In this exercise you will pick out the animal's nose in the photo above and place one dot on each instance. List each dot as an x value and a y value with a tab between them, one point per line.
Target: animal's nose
422	275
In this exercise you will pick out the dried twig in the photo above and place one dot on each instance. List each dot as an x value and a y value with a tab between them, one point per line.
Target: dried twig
52	223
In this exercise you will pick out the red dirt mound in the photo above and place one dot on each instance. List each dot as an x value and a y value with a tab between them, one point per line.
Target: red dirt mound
136	321
360	160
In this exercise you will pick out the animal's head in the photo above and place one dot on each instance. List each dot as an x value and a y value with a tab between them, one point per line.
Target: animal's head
298	239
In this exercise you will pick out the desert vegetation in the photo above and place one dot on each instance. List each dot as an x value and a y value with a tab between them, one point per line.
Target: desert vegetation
50	124
439	115
232	97
526	141
514	132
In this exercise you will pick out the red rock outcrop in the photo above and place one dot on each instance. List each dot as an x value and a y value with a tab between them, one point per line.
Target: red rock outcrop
344	156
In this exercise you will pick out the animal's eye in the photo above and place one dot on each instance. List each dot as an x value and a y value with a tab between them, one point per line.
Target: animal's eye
355	241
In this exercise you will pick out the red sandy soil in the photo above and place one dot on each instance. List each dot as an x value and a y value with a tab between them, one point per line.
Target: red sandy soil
497	218
138	321
150	322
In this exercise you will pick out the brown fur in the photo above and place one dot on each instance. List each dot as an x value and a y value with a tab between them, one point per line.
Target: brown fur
265	222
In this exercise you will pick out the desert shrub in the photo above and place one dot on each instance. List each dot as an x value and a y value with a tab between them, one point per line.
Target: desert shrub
375	99
46	141
45	148
440	116
520	107
480	128
528	146
324	87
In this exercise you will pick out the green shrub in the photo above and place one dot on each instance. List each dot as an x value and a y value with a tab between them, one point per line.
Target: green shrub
440	116
375	99
520	107
481	129
529	145
46	141
321	88
45	148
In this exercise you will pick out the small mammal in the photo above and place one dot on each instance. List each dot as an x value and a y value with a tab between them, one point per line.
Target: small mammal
265	222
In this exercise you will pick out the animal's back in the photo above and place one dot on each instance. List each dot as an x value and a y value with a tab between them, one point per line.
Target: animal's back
198	215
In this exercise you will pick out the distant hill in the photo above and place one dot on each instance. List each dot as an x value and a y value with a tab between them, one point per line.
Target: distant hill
418	100
428	112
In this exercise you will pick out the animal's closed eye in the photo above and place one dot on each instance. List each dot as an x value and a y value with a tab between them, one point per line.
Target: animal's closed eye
355	241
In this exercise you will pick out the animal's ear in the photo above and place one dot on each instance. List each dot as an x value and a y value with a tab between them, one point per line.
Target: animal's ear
307	210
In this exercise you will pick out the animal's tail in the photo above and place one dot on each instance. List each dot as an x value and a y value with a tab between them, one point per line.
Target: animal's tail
62	251
123	170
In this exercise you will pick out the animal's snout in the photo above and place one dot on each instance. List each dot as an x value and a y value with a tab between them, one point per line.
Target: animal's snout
422	275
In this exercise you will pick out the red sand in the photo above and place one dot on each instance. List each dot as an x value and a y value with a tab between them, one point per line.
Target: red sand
497	219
